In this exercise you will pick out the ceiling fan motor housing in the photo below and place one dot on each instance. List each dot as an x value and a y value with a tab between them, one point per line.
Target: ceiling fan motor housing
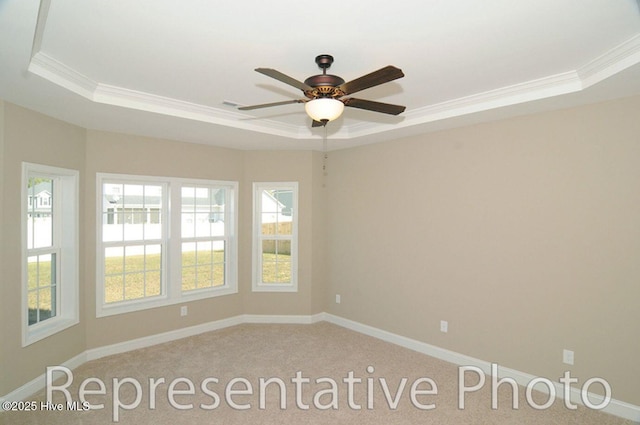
325	85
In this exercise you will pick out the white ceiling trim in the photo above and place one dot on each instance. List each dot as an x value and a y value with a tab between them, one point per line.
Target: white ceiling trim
554	85
58	73
615	60
618	59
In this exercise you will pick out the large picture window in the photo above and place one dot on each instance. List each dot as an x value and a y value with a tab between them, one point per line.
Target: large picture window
275	236
50	250
140	266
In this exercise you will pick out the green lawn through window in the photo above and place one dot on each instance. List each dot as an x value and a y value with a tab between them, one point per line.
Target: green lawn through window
206	272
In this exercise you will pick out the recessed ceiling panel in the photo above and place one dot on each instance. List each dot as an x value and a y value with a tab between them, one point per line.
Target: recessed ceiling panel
186	59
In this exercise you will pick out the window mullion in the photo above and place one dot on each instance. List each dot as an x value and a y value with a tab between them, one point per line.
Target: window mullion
173	231
41	251
134	242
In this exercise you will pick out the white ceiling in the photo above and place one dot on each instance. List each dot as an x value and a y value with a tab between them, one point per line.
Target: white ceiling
165	69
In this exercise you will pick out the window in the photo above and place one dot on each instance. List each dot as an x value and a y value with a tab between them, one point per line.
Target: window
151	255
275	236
132	247
203	237
50	250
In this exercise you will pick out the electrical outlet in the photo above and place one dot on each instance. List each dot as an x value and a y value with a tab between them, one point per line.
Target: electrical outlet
337	298
184	310
444	326
567	357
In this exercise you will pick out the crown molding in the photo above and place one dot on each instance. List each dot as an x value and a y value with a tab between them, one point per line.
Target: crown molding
64	76
554	85
60	74
119	96
616	60
611	62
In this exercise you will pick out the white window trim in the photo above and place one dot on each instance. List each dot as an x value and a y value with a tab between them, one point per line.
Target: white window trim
66	230
172	240
257	285
231	243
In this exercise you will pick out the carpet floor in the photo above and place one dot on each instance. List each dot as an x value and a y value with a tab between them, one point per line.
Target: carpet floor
287	374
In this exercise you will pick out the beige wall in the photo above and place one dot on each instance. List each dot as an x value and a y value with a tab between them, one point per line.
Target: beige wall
263	166
319	233
117	153
4	288
523	234
39	139
33	137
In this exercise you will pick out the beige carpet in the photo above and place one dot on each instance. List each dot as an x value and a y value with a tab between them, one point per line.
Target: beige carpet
321	352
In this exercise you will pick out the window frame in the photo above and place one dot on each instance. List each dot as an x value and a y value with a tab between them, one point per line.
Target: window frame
229	269
171	242
129	305
257	284
65	245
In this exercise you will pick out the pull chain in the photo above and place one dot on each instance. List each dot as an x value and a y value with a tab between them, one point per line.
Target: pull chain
324	158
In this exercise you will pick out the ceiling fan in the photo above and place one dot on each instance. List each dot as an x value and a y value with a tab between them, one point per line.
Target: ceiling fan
326	95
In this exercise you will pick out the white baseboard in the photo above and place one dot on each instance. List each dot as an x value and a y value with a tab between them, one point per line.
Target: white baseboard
286	319
152	340
148	341
39	383
615	407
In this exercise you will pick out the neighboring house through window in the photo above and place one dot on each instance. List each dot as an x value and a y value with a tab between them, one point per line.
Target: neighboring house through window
139	265
50	250
205	240
275	236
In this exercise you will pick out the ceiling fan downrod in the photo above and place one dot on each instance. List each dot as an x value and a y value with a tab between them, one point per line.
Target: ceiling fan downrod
325	83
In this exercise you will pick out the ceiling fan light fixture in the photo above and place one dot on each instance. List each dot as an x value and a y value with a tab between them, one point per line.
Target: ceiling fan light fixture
322	92
324	109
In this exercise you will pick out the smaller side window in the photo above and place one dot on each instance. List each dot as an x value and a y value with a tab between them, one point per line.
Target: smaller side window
50	251
275	236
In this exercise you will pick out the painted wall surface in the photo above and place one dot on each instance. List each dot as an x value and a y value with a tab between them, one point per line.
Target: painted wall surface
35	138
262	166
319	233
32	137
126	154
523	234
4	291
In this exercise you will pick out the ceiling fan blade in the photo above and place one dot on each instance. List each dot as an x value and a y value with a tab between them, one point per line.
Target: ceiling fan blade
284	78
268	105
381	76
385	108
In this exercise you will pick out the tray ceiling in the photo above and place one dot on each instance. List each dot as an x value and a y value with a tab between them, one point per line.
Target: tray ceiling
175	70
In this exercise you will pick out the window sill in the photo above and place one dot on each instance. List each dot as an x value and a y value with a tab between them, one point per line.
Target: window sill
275	287
45	330
141	305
